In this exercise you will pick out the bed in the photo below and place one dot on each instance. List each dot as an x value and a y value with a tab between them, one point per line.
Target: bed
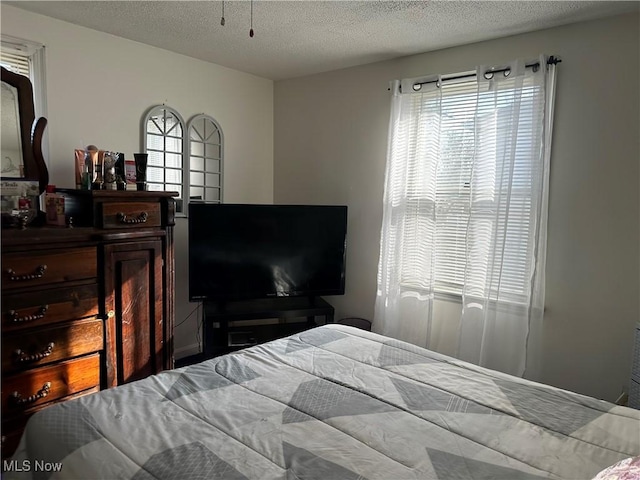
333	402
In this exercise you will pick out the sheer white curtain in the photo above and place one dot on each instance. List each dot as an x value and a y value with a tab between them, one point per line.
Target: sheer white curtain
405	295
465	212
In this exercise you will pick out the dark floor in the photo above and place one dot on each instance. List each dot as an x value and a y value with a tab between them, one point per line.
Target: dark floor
190	360
199	357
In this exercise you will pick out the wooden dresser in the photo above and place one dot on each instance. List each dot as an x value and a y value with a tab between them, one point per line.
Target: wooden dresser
88	307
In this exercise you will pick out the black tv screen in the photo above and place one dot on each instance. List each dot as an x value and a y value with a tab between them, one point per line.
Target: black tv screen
239	252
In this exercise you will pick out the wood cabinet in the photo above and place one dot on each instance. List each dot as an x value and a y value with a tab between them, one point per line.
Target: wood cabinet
88	307
134	298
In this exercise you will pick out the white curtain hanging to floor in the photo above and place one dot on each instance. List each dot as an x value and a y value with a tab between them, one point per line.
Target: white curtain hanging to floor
465	212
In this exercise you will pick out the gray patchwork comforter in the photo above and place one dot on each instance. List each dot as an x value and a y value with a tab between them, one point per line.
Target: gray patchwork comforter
329	403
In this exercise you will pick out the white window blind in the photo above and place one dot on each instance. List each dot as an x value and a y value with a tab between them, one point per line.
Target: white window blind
469	176
27	58
16	62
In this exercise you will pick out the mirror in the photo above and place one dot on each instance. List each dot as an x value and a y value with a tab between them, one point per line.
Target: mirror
205	159
21	147
12	160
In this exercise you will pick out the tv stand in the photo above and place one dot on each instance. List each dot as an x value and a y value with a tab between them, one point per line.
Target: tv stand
230	326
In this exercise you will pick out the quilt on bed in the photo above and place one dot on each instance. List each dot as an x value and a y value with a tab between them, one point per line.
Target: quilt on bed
330	403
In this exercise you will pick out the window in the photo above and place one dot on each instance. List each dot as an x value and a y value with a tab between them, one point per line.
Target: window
16	62
465	211
461	134
27	58
460	105
453	188
186	160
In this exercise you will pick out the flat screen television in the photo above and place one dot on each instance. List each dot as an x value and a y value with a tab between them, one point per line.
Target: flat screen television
242	252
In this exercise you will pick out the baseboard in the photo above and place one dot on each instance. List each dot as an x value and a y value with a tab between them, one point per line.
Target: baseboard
186	351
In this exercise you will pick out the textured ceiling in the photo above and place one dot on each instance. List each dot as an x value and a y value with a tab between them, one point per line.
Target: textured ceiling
297	38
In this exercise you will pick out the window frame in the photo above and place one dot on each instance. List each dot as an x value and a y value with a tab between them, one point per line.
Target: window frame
447	287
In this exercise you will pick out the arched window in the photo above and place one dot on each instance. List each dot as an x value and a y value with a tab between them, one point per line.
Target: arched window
205	159
163	141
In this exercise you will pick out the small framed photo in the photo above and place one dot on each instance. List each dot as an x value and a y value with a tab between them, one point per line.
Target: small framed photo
19	194
130	174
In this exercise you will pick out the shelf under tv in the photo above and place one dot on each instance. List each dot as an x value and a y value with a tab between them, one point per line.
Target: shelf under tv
229	326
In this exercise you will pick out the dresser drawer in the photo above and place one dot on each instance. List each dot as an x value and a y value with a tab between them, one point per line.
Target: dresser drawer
131	214
48	267
47	345
43	307
48	383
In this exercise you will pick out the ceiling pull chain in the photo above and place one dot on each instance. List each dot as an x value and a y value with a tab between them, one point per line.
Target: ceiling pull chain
251	29
222	19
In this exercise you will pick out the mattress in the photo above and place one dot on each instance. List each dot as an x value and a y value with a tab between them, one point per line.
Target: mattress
333	402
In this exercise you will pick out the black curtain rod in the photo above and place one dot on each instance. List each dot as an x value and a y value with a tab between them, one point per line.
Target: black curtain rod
551	61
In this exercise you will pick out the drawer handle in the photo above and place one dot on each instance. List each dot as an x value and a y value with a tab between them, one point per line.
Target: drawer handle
21	356
141	218
18	399
38	273
13	315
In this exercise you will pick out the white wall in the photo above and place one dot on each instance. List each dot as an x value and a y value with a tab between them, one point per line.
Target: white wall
98	88
330	147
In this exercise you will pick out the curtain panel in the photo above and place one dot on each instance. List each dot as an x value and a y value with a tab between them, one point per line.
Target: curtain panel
465	212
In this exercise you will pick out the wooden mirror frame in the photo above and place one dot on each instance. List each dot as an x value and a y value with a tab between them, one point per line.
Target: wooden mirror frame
31	130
